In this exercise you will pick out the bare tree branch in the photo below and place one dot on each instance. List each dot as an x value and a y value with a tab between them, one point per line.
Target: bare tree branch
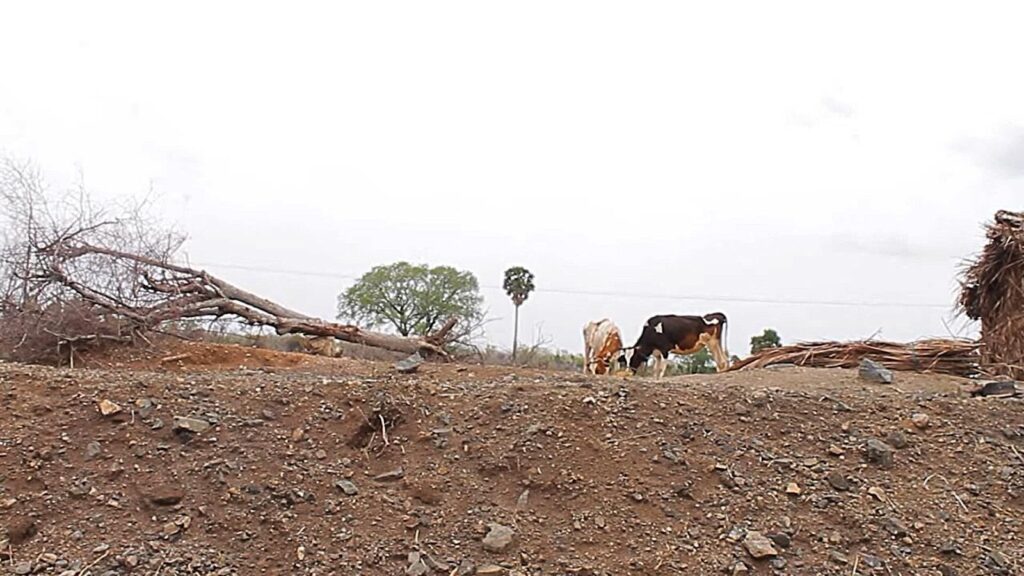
119	276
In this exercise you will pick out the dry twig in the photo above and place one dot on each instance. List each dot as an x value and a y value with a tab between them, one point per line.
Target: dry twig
942	356
94	563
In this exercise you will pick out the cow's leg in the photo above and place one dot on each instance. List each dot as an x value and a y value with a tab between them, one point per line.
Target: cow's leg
660	363
712	340
721	361
586	357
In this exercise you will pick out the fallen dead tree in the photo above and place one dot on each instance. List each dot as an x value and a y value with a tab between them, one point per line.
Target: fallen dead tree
185	292
993	292
72	274
938	356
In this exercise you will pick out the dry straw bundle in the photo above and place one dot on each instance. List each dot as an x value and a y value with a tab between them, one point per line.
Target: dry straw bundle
957	357
993	292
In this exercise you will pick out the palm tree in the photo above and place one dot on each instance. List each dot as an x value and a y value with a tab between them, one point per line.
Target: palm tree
518	285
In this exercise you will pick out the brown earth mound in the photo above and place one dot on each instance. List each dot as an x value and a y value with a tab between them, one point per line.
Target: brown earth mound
176	354
342	467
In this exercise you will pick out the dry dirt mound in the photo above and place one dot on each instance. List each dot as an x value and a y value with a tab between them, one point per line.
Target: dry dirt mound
178	355
353	469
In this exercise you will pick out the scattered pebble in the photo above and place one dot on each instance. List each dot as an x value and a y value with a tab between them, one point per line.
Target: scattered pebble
879	452
759	546
498	538
348	487
108	408
838	481
194	425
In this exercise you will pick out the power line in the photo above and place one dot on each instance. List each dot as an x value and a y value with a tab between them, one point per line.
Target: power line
612	294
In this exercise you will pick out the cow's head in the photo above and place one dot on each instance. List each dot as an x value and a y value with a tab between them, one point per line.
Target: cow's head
621	362
638	357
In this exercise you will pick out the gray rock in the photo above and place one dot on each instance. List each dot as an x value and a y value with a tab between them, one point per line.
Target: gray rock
145	407
873	562
780	539
466	568
736	534
194	425
347	486
839	482
879	452
897	440
410	364
838	558
93	450
997	563
949	548
999	388
416	565
23	568
874	372
895	527
498	538
759	546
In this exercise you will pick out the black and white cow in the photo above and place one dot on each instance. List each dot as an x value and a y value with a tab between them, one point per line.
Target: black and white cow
670	334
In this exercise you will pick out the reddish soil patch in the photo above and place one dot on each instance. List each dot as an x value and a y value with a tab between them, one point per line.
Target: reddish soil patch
320	466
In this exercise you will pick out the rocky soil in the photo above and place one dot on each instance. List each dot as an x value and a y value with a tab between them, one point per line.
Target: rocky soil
230	461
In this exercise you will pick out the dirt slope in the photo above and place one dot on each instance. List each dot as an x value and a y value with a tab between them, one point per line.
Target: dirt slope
587	475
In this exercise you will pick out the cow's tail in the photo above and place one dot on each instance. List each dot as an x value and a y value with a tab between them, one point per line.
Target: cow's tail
723	330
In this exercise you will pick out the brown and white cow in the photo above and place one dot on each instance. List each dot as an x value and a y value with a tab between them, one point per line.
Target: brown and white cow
602	342
670	334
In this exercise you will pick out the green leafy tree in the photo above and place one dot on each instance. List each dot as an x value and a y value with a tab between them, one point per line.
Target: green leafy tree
412	299
768	339
700	362
518	285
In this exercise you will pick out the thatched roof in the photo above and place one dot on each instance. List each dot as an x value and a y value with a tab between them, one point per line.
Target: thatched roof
993	292
998	272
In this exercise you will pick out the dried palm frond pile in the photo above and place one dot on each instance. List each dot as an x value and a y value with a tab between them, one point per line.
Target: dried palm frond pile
938	356
992	290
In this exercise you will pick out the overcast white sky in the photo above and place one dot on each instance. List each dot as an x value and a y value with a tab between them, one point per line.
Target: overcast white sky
730	151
